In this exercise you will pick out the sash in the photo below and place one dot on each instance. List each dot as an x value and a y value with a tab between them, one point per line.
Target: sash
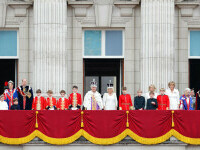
186	105
9	94
24	97
94	104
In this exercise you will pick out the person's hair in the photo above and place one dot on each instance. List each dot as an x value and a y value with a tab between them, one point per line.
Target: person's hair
124	88
151	93
76	87
10	82
62	91
187	90
139	91
15	99
153	86
23	79
49	92
171	83
162	89
38	91
110	88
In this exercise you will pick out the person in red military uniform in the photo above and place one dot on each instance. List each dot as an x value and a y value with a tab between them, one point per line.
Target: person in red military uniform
51	101
62	103
75	99
163	100
125	102
39	102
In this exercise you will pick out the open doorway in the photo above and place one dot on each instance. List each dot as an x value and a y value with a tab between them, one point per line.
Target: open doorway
103	70
194	74
8	72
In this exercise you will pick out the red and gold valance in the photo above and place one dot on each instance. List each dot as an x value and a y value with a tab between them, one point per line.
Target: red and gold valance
99	127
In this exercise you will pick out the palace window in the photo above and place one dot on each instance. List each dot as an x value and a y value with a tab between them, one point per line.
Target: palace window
8	44
194	44
103	44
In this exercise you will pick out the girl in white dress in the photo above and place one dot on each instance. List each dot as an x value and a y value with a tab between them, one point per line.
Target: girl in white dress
110	98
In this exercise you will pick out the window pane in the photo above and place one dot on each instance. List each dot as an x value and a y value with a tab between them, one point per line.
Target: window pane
92	43
194	43
8	43
114	43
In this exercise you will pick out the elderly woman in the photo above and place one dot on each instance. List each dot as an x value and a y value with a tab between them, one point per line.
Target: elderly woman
173	95
152	88
10	94
186	100
110	98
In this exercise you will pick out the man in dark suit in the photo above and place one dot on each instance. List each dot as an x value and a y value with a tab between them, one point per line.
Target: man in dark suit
25	96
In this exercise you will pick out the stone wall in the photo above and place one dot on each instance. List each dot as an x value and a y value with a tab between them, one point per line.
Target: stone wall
82	15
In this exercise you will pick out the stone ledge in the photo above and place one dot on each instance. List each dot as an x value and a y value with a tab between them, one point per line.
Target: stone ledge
126	7
20	7
125	141
80	7
186	7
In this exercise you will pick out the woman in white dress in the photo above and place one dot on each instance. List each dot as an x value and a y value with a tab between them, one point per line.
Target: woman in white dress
152	88
174	97
110	98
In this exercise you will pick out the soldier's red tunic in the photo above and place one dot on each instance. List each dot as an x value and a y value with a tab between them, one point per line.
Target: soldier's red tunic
39	103
62	104
51	102
75	100
163	102
125	102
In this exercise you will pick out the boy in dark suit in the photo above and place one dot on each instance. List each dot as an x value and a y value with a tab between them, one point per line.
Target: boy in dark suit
152	102
139	101
15	105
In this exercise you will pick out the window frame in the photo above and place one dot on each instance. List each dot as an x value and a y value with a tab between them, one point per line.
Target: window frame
191	57
103	41
12	57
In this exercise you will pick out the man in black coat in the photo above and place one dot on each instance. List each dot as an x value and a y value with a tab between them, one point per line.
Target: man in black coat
25	96
152	103
139	101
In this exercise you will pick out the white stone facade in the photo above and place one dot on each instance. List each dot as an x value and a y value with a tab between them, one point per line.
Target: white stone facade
155	38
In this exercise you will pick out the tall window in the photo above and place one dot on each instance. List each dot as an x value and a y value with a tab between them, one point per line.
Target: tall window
103	43
194	44
8	44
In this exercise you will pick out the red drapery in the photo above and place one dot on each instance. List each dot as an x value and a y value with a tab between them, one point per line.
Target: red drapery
59	124
150	126
187	123
104	124
99	127
16	124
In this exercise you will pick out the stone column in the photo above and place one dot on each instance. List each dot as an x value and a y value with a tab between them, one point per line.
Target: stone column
50	27
3	8
157	46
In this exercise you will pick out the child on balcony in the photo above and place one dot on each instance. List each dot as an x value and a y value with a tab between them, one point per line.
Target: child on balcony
51	101
62	103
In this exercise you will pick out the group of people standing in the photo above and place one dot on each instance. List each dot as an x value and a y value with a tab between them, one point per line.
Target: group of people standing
22	98
166	100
